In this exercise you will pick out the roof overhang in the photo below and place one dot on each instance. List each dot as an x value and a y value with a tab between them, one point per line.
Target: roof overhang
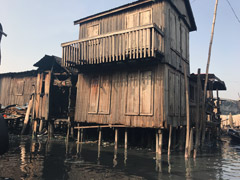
214	83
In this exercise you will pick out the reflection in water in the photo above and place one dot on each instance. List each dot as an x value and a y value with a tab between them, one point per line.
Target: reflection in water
57	159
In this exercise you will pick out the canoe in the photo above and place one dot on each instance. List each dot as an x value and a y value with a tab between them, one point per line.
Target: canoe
234	134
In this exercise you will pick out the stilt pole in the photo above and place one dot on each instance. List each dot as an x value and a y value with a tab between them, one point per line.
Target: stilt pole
187	111
170	140
126	139
207	69
197	114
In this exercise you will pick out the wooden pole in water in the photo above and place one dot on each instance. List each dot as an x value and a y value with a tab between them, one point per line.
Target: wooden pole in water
187	111
81	135
157	142
207	69
197	114
30	104
160	138
69	113
126	139
78	136
116	139
190	143
170	140
99	136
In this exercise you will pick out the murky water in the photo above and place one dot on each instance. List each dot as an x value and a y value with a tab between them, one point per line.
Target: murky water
55	159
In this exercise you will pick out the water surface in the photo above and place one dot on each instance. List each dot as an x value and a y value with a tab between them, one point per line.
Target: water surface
56	159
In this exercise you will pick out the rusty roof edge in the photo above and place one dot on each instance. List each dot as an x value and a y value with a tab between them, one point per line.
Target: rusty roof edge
114	10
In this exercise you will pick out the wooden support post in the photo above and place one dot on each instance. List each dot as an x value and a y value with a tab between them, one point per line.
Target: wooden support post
199	87
68	129
99	136
34	133
182	138
170	140
187	111
190	143
81	135
78	136
160	138
126	139
40	126
157	143
50	129
26	120
207	69
116	139
125	146
69	113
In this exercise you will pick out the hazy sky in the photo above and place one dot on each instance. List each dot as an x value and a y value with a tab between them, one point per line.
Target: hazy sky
38	27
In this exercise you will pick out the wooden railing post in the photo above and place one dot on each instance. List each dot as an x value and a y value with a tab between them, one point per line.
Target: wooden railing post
139	42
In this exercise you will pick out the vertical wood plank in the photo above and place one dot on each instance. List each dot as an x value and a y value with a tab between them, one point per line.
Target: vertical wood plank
113	47
124	46
137	44
148	42
153	42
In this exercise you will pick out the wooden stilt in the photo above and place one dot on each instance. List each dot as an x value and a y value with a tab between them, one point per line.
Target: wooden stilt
40	126
26	120
187	111
170	140
99	136
115	148
68	129
197	115
50	129
207	69
190	143
126	139
160	138
81	135
34	133
182	138
125	146
157	142
116	139
78	136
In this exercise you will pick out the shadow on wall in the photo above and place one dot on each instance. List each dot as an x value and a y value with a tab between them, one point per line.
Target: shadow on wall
4	140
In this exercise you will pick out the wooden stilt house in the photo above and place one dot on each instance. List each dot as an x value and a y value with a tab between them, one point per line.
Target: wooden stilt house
52	91
16	88
130	62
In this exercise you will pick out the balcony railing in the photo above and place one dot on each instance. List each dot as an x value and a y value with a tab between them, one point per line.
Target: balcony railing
137	43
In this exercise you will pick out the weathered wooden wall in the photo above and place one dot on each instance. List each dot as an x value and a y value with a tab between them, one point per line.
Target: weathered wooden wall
133	98
16	88
144	15
176	39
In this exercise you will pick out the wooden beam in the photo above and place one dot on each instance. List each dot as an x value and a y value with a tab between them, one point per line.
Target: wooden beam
100	126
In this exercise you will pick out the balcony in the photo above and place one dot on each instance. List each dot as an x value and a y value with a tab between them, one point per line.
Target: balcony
132	44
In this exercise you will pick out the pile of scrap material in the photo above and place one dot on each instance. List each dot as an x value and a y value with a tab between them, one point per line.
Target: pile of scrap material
14	112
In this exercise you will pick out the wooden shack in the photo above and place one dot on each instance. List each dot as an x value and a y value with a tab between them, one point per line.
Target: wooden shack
52	95
130	62
16	88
